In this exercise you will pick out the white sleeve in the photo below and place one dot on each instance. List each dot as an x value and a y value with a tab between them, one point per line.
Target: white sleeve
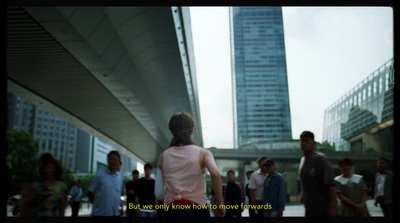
159	188
252	182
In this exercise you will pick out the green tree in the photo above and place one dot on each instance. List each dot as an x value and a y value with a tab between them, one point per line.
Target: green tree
325	146
68	177
86	180
21	159
370	150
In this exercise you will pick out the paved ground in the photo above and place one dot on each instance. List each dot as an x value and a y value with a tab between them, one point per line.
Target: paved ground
292	210
85	211
297	210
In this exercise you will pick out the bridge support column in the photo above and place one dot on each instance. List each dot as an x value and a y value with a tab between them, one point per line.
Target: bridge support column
292	185
246	167
241	174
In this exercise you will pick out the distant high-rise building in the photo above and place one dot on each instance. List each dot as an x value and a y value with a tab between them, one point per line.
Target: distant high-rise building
259	75
54	134
362	119
73	147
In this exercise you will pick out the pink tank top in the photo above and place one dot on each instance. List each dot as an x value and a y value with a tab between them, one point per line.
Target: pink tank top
182	175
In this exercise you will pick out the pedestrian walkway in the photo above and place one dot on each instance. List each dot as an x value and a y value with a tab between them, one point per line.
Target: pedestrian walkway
84	211
291	210
297	210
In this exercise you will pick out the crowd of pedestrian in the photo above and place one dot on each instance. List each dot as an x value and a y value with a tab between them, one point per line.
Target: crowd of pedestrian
180	180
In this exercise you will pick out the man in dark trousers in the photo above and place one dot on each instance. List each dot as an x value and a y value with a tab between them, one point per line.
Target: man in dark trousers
256	186
274	193
145	194
248	174
76	196
233	195
384	188
131	192
317	181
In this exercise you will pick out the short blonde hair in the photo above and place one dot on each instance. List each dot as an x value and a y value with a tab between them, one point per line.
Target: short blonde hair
261	158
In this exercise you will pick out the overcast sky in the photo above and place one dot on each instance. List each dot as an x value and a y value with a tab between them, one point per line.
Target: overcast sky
329	50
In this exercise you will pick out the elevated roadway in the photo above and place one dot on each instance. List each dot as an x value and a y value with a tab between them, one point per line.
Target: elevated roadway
118	73
292	155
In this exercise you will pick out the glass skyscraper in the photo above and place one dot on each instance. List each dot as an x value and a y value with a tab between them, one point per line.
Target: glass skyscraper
259	75
362	119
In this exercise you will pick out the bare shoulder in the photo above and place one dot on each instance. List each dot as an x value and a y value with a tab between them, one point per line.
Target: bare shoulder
160	161
206	153
206	156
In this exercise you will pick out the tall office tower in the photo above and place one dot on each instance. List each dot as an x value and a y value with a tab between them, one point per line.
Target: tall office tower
259	76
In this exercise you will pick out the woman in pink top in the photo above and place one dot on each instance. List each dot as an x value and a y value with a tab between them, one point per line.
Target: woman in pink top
181	168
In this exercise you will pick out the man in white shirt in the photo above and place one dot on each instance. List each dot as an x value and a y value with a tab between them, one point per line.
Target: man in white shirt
256	186
105	191
76	196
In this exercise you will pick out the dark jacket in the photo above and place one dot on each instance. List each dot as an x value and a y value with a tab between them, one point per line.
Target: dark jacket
233	193
274	192
388	189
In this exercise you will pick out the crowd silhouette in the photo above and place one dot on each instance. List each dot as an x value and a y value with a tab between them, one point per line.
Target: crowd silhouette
180	182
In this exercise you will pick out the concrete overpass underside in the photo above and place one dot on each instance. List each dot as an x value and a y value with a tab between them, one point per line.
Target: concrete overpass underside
118	73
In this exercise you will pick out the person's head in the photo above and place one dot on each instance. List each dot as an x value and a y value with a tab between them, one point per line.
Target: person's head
269	166
231	176
261	161
181	126
135	175
79	182
307	142
113	160
346	166
49	168
45	156
382	164
248	174
148	168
